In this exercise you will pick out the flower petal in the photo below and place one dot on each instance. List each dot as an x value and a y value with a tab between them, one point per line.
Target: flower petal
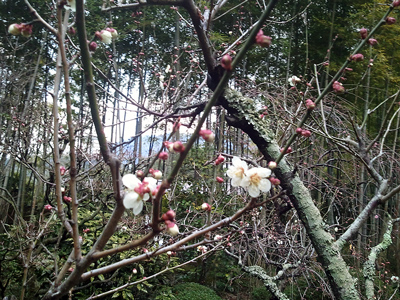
245	181
236	181
151	183
130	199
138	208
130	181
264	185
263	172
253	191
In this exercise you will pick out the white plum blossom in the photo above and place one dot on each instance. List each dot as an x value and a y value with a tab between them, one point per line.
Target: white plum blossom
394	279
256	181
137	191
293	80
237	171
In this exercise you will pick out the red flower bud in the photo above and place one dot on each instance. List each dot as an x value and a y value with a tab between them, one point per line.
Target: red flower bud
72	31
310	104
220	180
220	159
263	40
372	42
289	150
205	206
338	87
226	62
163	155
139	174
178	147
169	215
306	133
275	181
390	20
363	33
26	30
48	207
357	57
93	46
62	170
207	135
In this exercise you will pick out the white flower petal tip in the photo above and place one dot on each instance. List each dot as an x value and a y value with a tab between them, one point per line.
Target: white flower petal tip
130	181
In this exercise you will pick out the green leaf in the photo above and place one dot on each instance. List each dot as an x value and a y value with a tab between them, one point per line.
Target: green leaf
101	277
115	295
141	269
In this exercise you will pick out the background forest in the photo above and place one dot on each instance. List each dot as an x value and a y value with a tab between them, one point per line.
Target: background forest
78	112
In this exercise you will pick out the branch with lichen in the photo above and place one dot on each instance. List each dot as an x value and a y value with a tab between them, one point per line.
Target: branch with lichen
369	265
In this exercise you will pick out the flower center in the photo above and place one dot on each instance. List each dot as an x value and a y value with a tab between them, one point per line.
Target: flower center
255	179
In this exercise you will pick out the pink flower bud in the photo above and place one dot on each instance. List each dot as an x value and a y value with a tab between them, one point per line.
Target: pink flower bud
67	199
48	207
71	31
26	30
163	155
134	271
299	130
145	250
157	174
169	215
219	179
363	33
86	230
172	228
396	3
114	33
310	104
93	46
139	174
62	170
289	150
207	135
275	181
14	29
169	146
70	269
390	20
306	133
226	62
220	159
357	57
263	40
104	36
178	147
272	165
372	42
205	206
338	87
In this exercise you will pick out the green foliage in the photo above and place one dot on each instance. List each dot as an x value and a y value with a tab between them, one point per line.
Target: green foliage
260	293
194	291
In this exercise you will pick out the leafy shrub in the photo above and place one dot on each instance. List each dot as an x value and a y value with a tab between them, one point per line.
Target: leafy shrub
194	291
260	293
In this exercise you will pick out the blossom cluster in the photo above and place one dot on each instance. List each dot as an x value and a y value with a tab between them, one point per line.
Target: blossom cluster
255	180
170	222
107	35
137	191
21	29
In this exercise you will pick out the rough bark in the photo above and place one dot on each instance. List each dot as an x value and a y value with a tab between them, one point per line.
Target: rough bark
243	115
